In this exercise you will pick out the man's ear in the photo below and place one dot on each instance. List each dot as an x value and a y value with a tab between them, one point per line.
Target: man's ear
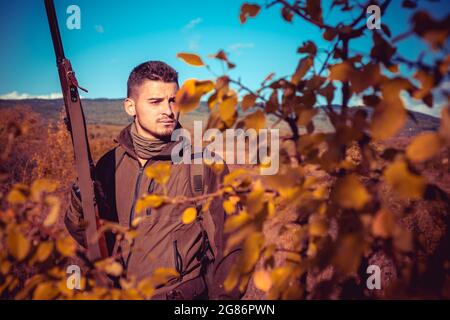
130	107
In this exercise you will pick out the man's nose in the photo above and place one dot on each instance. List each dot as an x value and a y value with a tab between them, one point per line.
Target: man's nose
168	108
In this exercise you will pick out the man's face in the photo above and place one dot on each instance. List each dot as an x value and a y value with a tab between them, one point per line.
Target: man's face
153	104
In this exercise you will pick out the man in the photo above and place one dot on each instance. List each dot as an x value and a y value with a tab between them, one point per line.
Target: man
195	250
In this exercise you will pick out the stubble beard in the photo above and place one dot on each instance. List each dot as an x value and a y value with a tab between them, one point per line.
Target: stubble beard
161	131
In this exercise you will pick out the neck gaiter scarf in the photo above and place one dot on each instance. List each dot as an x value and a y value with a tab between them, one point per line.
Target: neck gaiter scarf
145	148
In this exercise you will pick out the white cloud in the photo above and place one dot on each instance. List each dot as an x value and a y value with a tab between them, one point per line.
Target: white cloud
191	24
419	106
14	95
409	103
446	85
356	101
239	46
194	42
99	28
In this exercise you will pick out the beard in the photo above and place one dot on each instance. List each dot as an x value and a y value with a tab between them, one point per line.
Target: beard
162	129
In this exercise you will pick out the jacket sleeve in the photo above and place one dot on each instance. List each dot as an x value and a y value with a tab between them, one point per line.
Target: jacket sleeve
217	272
74	215
74	218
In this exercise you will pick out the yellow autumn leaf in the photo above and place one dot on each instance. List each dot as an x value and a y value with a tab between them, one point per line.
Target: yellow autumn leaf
317	226
365	77
273	104
248	101
280	274
388	119
403	181
237	237
390	114
227	109
16	197
234	199
66	246
427	82
393	68
162	275
269	251
64	289
403	239
391	88
191	58
146	287
204	86
350	193
383	224
305	116
5	266
188	96
44	250
348	254
340	71
262	280
255	199
256	120
234	175
29	285
57	272
251	250
329	34
270	208
293	256
303	66
244	282
232	279
165	272
424	146
110	266
159	171
236	221
189	215
221	55
18	244
40	186
54	204
45	291
229	206
248	10
150	201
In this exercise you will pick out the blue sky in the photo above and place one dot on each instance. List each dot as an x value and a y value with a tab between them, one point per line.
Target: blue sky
117	35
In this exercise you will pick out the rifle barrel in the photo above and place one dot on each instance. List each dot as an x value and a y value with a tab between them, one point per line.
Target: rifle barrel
54	29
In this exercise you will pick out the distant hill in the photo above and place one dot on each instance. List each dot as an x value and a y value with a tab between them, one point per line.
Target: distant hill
110	112
101	111
415	122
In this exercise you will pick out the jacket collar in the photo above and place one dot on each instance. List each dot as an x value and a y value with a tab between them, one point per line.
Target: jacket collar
125	140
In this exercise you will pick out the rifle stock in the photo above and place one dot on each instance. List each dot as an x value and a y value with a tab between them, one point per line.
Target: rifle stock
96	246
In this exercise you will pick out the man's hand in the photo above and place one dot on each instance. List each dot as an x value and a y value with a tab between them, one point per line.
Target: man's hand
75	211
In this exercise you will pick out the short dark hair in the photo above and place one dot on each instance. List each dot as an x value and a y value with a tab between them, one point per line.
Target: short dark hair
150	70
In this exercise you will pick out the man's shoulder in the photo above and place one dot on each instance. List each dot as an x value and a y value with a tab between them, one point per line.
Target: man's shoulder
107	160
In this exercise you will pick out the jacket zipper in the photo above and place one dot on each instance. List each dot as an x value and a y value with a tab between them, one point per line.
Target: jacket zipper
136	192
178	261
136	196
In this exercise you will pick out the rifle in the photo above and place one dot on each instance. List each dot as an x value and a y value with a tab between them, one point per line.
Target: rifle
76	124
